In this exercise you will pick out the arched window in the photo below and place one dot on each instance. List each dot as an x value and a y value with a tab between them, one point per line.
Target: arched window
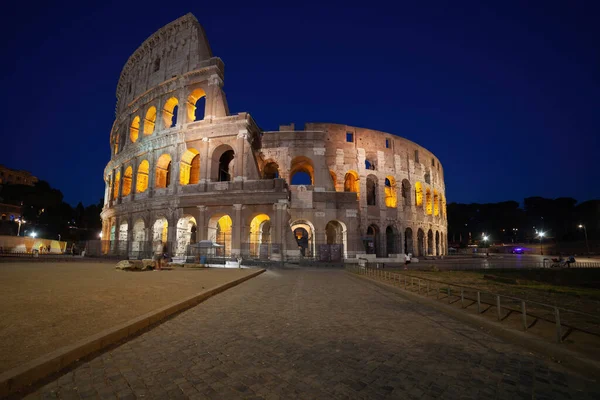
222	164
271	171
150	121
436	203
302	171
196	105
418	194
116	185
370	165
371	190
141	183
134	130
405	192
225	166
163	171
428	178
430	242
127	181
351	183
169	113
189	167
429	203
391	199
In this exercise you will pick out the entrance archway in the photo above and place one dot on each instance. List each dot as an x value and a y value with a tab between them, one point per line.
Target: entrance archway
421	242
185	227
408	241
336	234
371	240
139	237
304	232
391	240
219	231
260	236
437	243
160	231
430	242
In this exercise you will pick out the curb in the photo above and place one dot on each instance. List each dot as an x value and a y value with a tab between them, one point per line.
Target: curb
567	358
26	374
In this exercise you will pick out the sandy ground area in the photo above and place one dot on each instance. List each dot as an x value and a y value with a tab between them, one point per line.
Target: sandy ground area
45	306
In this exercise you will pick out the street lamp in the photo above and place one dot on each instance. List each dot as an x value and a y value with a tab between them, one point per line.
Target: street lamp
100	235
541	234
587	245
33	234
485	239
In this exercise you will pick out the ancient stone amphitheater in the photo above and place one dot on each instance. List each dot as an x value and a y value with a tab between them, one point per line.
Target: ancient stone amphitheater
184	169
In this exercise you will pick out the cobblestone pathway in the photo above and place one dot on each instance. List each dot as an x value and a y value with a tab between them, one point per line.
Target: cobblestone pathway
316	334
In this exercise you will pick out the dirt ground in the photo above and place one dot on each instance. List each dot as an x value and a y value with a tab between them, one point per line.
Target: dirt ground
45	306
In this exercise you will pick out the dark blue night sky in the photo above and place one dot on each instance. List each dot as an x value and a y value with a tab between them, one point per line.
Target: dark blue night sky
506	95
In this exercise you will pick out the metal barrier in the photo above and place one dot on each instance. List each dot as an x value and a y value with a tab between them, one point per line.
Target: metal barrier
504	305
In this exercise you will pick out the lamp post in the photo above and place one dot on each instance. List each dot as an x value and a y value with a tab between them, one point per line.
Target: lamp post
587	245
541	234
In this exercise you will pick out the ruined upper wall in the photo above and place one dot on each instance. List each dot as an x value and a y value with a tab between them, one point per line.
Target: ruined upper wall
175	49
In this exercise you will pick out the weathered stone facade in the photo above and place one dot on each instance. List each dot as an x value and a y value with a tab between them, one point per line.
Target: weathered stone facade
179	175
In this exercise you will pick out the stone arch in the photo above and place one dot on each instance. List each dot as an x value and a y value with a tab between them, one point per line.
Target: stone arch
169	112
139	237
436	203
304	232
391	197
222	161
127	177
371	190
392	240
189	167
116	182
134	129
160	231
333	179
271	170
260	235
372	240
301	165
141	183
336	233
406	193
408	241
437	243
122	238
351	183
428	202
163	171
421	242
418	194
430	242
186	228
220	226
150	121
196	105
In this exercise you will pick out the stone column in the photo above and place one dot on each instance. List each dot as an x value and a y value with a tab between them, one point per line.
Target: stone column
240	155
121	174
236	230
134	171
129	235
172	231
151	173
201	223
204	161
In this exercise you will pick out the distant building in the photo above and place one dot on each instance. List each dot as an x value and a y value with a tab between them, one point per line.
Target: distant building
15	177
9	212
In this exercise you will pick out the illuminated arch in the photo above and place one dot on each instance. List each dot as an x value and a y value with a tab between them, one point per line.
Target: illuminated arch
127	177
391	197
186	229
116	185
139	237
150	121
304	232
163	171
193	113
134	129
260	235
334	179
336	233
160	231
302	164
141	182
189	167
428	201
418	194
220	231
169	113
436	203
271	170
351	183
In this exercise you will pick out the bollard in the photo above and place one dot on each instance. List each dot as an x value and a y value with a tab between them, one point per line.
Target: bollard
524	315
498	308
478	303
558	330
462	298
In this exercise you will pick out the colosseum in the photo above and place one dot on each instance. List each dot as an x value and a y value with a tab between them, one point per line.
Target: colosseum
184	169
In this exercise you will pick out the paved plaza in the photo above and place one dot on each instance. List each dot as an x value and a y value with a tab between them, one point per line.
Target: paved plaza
316	334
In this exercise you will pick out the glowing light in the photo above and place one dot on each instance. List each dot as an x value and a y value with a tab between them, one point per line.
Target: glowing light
33	234
100	235
541	234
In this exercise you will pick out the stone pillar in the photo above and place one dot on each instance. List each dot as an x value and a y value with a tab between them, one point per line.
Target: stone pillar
172	231
151	173
236	230
322	178
176	167
201	223
121	174
204	161
129	235
134	170
240	154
